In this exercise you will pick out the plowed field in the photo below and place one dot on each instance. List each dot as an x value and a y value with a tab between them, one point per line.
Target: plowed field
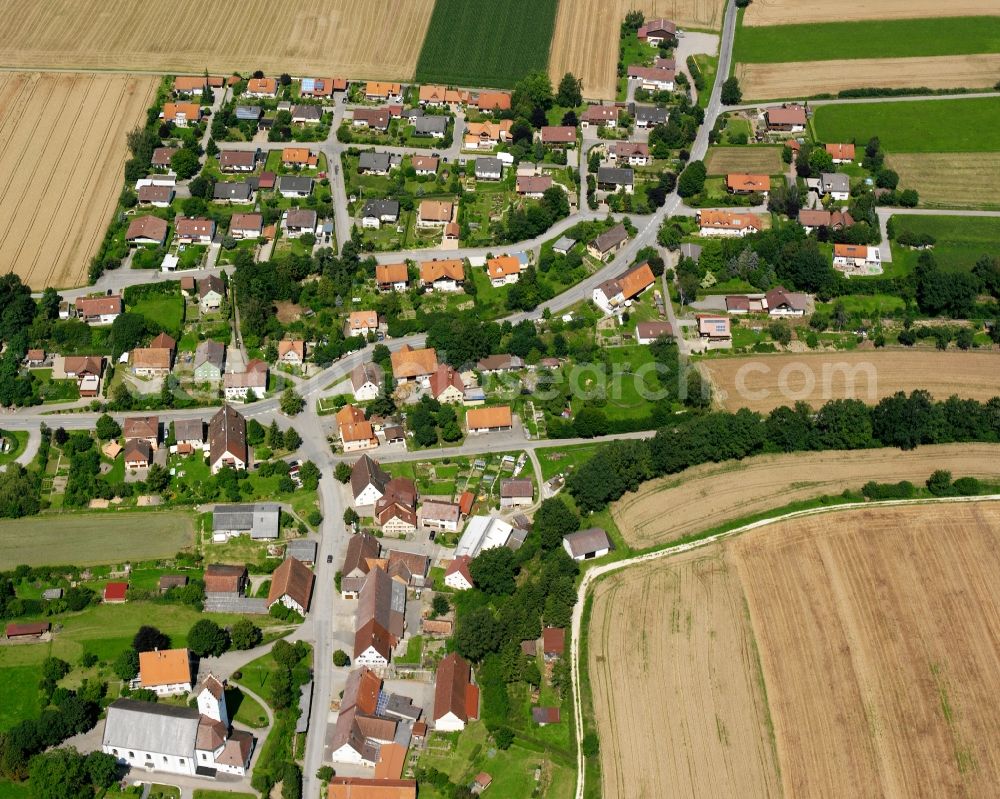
788	12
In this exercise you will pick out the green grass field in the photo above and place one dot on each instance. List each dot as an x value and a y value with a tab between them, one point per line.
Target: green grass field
19	440
899	38
508	40
244	708
915	126
961	241
93	538
167	310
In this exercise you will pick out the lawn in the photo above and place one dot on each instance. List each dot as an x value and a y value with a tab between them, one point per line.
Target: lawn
204	793
257	673
18	439
709	65
245	709
167	310
556	460
56	390
16	790
890	38
93	538
20	694
915	126
495	32
961	241
866	305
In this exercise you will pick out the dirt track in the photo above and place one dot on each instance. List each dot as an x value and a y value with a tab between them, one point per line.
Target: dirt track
788	12
585	41
953	180
764	382
334	38
690	685
706	496
808	78
878	631
61	168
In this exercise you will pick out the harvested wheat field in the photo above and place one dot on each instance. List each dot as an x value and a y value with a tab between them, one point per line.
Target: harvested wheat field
754	160
809	78
790	12
333	37
763	382
951	180
586	36
691	688
61	168
713	494
879	635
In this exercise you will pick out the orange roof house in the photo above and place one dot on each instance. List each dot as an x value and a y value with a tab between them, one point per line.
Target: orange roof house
409	364
448	269
727	222
298	156
456	699
502	267
382	90
486	419
291	351
841	153
493	101
435	211
389	275
165	670
189	84
366	788
181	113
262	86
738	183
360	322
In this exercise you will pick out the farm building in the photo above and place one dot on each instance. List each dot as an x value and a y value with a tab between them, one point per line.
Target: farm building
489	420
457	574
291	586
587	544
26	631
260	521
483	532
456	698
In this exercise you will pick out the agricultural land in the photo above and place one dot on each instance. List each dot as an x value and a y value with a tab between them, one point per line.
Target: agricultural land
61	167
783	12
762	383
586	36
952	180
299	37
961	240
498	30
710	495
754	160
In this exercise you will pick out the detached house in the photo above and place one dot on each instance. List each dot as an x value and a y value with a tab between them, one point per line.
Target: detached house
456	699
813	219
487	135
835	184
367	381
503	270
138	454
443	275
781	302
738	183
434	213
410	364
166	672
306	114
145	428
658	31
599	116
612	295
609	242
434	126
292	352
246	226
298	157
786	118
457	574
382	91
261	87
368	482
372	118
251	384
372	163
714	328
612	179
859	257
238	193
533	186
99	310
361	323
157	196
147	230
425	164
392	277
291	586
727	223
446	385
193	230
182	114
558	136
648	116
493	101
841	153
238	160
227	440
356	432
211	293
489	169
151	361
489	420
633	153
294	186
299	221
375	213
652	79
209	359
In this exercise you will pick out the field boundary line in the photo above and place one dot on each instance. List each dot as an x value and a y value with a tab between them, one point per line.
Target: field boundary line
601	571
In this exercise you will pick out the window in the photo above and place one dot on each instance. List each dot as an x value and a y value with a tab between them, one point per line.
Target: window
180	760
164	758
114	752
204	756
131	754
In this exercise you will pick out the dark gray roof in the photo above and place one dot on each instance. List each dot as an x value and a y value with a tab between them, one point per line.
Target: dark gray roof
378	162
619	176
381	208
232	191
303	549
835	181
188	429
251	112
588	541
691	250
312	112
152	728
650	113
210	351
294	183
261	520
431	124
413	113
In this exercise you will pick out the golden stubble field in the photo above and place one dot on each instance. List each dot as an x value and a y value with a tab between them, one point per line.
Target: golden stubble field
763	382
852	653
676	684
61	166
585	41
754	160
713	494
951	180
790	12
333	37
808	78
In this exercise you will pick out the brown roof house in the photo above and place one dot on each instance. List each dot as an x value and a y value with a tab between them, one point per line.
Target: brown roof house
790	118
446	385
194	230
362	550
142	427
410	364
434	213
99	310
147	230
612	296
368	481
609	242
380	622
443	275
515	492
227	440
291	586
138	454
648	332
151	361
223	578
456	699
356	432
558	135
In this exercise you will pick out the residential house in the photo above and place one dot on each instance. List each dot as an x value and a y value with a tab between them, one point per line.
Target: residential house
189	433
321	87
99	310
425	164
612	179
813	219
306	114
489	420
395	517
653	79
738	304
182	114
456	698
86	369
146	428
115	593
500	363
381	621
738	183
457	574
362	323
648	332
658	31
372	163
727	223
835	184
164	341
392	277
233	193
367	381
446	385
162	155
249	113
493	101
856	257
249	384
633	153
298	222
489	169
368	481
294	186
534	186
362	550
558	136
147	230
368	788
613	295
789	118
451	232
841	153
34	357
443	275
434	213
433	126
446	516
781	302
410	364
138	454
211	292
375	213
648	116
372	118
440	96
227	440
246	226
193	230
376	90
503	270
291	586
165	672
261	87
609	242
599	116
356	432
150	361
587	544
487	135
515	492
298	157
209	360
714	328
238	160
157	196
292	352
